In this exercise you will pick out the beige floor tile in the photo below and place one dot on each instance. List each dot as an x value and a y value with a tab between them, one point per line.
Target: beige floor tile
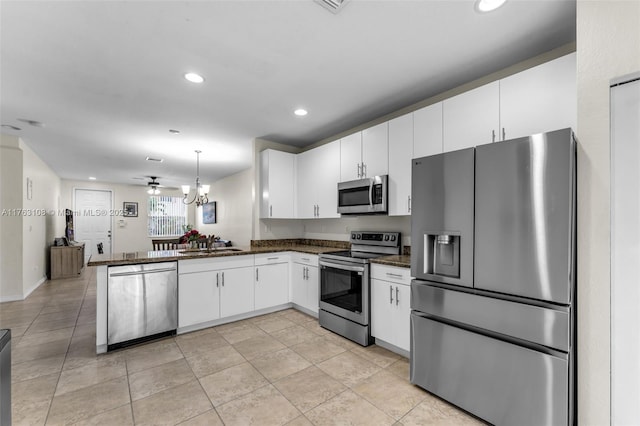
258	346
210	418
400	368
377	354
42	326
120	416
89	401
316	328
206	363
318	350
348	368
279	364
193	344
300	421
390	393
341	341
435	412
240	333
171	406
264	406
297	316
17	331
272	324
157	379
293	335
103	370
46	337
30	400
85	330
87	355
152	355
36	368
309	388
229	384
45	350
348	409
63	315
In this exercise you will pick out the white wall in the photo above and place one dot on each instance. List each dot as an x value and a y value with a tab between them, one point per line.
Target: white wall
38	230
132	236
234	207
10	224
608	46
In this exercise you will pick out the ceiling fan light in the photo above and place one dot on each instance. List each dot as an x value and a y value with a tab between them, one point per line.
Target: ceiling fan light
488	5
193	77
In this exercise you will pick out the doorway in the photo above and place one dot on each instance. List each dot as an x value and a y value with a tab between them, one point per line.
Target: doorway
93	220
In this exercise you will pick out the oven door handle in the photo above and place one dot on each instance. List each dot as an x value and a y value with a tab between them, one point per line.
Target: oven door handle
325	264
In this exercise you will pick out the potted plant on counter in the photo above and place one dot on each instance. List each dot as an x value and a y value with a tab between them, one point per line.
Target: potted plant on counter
192	237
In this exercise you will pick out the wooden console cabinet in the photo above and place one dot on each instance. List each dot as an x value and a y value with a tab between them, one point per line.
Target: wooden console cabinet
66	261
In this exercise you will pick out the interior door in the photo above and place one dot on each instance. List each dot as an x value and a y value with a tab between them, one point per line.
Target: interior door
93	220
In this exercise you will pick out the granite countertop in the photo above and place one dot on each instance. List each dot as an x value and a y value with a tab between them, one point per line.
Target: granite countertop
257	247
402	261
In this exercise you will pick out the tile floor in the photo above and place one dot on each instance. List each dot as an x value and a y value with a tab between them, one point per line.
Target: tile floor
276	369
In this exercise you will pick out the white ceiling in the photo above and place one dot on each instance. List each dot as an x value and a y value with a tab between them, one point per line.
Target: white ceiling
105	77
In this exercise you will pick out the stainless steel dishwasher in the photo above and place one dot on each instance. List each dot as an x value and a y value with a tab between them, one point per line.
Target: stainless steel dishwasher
142	303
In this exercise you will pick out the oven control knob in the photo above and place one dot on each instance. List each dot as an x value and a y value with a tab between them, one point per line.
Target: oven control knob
358	236
386	238
353	236
393	238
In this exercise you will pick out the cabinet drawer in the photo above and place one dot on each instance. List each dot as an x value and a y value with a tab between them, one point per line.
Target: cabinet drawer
304	258
269	258
391	273
213	264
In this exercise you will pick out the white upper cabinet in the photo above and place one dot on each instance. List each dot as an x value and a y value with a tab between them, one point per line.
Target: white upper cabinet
365	154
318	173
375	150
540	99
472	118
351	157
401	141
277	177
427	131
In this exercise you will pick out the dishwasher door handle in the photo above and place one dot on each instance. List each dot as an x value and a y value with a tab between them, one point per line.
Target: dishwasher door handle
151	271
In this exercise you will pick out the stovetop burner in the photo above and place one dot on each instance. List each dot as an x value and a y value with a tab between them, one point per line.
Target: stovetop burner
367	245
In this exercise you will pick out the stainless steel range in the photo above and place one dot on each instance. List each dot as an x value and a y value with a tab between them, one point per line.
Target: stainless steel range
345	301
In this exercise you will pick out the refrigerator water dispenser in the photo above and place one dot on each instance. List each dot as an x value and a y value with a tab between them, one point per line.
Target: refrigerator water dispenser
442	255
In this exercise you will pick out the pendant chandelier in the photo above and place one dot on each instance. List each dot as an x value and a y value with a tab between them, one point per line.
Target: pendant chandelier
201	191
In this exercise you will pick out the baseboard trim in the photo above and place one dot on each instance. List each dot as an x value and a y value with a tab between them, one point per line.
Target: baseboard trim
35	286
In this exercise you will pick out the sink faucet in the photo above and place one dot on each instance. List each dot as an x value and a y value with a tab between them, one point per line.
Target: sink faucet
210	241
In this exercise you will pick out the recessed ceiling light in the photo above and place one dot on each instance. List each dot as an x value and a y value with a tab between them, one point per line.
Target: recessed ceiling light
174	131
92	178
488	5
193	77
300	112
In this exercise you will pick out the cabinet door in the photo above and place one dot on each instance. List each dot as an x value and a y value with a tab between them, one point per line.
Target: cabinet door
298	284
471	118
198	298
271	285
327	160
351	157
313	289
375	150
540	99
277	178
236	291
382	299
402	316
427	131
306	197
400	155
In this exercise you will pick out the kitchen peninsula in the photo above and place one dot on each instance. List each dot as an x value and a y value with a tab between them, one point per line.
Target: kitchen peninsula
220	286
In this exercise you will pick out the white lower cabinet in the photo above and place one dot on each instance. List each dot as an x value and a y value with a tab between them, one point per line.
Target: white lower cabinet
210	289
390	305
305	281
271	280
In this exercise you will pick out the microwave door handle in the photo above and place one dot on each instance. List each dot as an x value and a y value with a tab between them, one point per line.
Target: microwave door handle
371	194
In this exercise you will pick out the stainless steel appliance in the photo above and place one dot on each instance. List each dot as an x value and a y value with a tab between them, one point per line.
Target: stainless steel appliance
345	301
142	302
493	325
5	377
363	196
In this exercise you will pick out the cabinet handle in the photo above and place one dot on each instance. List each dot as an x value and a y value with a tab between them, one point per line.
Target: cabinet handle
256	274
397	296
306	259
504	134
306	273
391	294
318	209
359	173
389	274
409	203
223	279
364	170
217	279
270	210
493	136
273	258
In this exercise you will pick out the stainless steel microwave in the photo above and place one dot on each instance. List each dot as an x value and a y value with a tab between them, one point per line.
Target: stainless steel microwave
363	196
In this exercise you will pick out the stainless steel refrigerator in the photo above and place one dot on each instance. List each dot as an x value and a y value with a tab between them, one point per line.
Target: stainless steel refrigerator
493	322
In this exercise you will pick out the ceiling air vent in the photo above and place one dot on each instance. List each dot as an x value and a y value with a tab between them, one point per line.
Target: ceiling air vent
334	6
157	160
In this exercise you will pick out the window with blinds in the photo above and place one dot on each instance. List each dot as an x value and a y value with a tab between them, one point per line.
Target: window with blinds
167	216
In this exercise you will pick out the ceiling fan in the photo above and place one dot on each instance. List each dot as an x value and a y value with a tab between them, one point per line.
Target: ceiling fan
153	186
